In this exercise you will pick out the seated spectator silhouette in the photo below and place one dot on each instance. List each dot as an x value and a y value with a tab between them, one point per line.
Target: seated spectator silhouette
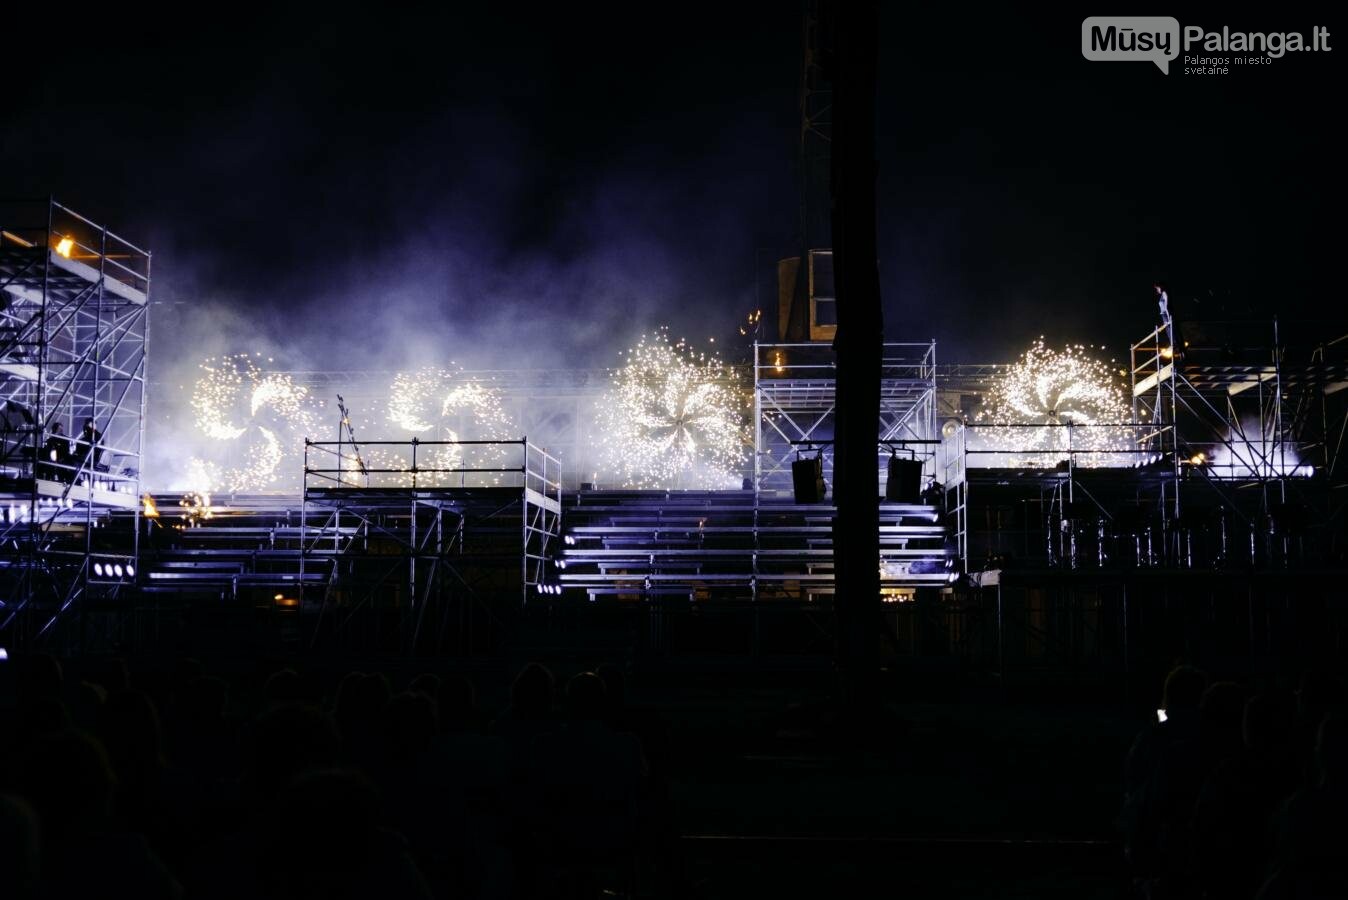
69	782
40	687
1311	831
20	849
1232	818
285	687
1157	797
466	786
132	736
426	683
1220	724
359	713
202	766
530	711
1319	694
589	781
457	706
407	732
285	742
328	844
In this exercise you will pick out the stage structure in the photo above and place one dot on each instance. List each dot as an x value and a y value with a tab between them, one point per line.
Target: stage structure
794	405
395	546
1231	457
73	326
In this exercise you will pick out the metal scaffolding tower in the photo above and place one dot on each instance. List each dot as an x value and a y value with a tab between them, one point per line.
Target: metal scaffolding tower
794	407
73	319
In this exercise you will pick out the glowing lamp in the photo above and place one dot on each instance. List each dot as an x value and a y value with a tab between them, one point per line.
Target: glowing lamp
98	570
1198	459
64	246
117	570
1167	353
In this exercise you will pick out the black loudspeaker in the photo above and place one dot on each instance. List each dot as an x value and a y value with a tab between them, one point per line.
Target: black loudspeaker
807	477
903	483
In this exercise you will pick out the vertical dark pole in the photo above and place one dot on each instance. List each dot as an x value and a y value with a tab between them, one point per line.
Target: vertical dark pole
858	344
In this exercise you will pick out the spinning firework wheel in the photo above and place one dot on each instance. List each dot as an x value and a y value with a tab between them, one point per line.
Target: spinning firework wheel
255	421
444	405
1050	404
673	418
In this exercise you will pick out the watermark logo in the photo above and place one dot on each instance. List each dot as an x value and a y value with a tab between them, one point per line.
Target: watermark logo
1131	38
1159	40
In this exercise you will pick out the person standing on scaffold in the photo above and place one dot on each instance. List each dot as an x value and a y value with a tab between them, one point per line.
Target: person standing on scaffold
1168	323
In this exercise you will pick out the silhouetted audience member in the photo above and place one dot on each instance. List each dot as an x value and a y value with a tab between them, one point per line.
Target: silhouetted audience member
203	766
111	673
427	684
1220	722
39	677
285	742
133	739
283	688
466	782
359	712
86	706
1159	786
530	712
457	706
328	842
70	783
1233	815
1311	830
1319	694
590	780
20	849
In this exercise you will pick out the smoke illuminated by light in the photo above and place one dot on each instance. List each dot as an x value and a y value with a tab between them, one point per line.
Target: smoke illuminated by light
673	417
1043	393
258	417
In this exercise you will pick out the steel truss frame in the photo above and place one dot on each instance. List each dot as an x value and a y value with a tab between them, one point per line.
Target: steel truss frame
1251	419
73	346
425	530
794	404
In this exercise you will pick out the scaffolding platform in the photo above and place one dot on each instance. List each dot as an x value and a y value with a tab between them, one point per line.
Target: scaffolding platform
794	408
74	299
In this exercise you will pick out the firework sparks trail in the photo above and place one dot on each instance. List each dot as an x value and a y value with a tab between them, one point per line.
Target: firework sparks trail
673	417
1049	390
443	404
259	416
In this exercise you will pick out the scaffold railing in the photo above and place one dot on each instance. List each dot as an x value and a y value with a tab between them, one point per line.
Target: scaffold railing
431	464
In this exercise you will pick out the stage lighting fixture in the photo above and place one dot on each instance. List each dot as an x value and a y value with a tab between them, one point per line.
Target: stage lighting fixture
98	570
1167	353
117	570
4	654
64	246
1198	459
130	571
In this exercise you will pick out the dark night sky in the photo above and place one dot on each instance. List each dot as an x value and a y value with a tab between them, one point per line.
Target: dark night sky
482	181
